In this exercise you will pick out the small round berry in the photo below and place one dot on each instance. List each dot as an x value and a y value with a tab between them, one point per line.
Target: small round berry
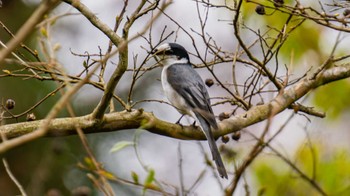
209	82
224	115
278	3
10	104
346	13
225	139
260	9
236	135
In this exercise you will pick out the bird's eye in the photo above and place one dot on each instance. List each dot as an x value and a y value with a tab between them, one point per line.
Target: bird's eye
168	52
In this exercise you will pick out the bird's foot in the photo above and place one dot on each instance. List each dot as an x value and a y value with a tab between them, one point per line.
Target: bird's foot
178	121
194	124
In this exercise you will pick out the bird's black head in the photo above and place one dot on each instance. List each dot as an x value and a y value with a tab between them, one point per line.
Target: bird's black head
171	50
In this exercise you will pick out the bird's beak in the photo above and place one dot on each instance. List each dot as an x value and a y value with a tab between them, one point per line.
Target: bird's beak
160	50
155	52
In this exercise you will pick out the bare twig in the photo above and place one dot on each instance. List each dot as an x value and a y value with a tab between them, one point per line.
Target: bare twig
13	178
137	118
122	65
42	129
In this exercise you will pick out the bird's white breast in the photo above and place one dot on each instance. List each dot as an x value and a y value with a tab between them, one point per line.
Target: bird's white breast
174	98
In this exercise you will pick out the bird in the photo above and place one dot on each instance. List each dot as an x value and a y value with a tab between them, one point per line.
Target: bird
186	90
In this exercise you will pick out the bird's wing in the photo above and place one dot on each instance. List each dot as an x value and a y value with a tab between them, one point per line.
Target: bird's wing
189	85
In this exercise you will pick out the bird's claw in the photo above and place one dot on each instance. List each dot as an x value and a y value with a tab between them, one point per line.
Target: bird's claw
194	124
178	121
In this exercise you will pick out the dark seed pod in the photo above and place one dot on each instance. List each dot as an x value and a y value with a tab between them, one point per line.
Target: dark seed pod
223	116
278	3
346	13
260	10
225	139
236	135
10	104
209	82
31	117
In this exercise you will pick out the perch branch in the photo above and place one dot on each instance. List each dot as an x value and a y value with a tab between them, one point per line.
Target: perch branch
146	120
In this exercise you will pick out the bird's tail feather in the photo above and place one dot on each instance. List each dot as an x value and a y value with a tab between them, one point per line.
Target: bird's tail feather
205	124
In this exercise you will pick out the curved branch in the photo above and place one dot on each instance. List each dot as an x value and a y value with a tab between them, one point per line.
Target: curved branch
116	121
283	100
116	40
145	120
122	48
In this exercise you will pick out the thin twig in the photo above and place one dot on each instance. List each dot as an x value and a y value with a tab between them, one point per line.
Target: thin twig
13	178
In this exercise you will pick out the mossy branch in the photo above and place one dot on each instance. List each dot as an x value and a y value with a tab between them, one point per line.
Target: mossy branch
139	119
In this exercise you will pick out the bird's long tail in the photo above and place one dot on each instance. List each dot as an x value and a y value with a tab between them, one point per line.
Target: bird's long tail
206	124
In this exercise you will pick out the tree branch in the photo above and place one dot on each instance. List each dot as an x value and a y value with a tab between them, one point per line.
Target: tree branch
42	128
122	47
145	120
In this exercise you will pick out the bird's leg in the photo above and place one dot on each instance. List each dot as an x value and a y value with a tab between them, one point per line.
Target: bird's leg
178	121
194	124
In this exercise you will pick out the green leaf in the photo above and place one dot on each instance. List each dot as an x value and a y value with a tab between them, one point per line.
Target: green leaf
120	145
89	163
6	71
85	64
135	177
150	177
43	32
107	174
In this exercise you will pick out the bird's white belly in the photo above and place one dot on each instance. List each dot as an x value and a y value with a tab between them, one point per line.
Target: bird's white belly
174	98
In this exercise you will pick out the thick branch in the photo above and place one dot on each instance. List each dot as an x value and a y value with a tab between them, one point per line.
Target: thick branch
146	120
283	100
122	47
116	40
42	128
111	122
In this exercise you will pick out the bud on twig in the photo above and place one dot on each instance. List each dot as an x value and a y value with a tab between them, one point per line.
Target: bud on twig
31	117
346	13
224	115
